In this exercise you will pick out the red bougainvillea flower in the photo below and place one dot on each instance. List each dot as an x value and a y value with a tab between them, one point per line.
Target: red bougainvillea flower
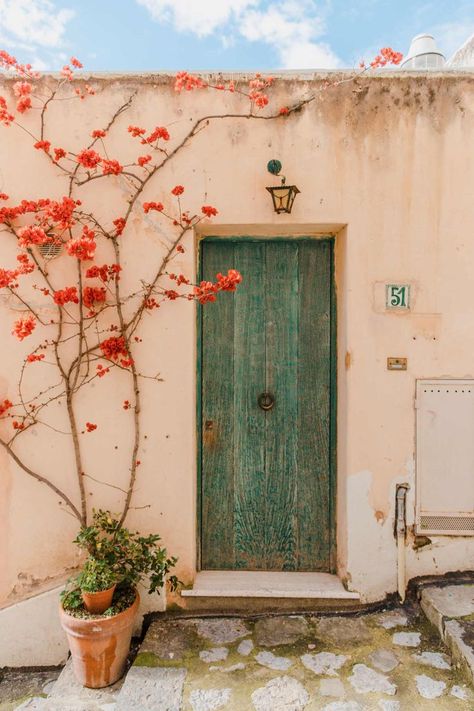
179	279
26	267
114	348
187	81
136	131
147	206
8	278
22	88
157	133
101	370
90	427
34	357
180	248
31	234
229	281
106	272
143	160
61	212
126	405
84	247
4	406
23	104
92	295
284	110
5	116
3	196
18	425
66	296
83	93
111	167
177	190
119	225
99	133
76	63
207	290
88	158
67	72
208	210
24	327
58	154
43	146
387	56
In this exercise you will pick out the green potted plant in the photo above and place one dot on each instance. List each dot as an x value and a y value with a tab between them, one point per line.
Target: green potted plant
118	559
97	582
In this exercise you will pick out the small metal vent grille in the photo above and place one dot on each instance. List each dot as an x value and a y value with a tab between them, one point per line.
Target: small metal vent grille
454	524
50	250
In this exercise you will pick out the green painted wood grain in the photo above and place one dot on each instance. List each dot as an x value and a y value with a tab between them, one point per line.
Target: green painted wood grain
313	469
281	433
217	476
249	425
267	490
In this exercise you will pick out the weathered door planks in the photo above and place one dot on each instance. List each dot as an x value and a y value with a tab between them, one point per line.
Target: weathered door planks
266	477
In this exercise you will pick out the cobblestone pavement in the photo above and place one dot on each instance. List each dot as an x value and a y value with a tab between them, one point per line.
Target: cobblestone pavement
17	684
387	661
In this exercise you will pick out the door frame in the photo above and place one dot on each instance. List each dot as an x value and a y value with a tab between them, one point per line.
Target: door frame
330	239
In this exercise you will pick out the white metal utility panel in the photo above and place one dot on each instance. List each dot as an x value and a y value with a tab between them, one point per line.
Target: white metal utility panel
445	457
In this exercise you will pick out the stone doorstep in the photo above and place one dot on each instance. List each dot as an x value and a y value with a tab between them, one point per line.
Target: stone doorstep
256	584
447	609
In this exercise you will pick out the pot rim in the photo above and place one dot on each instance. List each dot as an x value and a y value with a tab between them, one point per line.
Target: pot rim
100	592
109	620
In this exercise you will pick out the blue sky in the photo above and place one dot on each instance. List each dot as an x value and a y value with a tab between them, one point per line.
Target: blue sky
140	35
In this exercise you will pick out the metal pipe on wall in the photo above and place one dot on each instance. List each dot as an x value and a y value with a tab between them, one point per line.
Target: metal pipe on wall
400	532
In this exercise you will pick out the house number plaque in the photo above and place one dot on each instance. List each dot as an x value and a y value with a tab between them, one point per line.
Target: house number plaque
397	296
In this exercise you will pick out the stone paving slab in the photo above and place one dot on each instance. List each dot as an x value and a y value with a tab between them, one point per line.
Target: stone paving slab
451	601
16	685
451	610
67	685
152	689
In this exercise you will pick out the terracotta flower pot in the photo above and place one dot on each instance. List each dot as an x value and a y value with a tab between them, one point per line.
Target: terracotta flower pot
96	603
99	647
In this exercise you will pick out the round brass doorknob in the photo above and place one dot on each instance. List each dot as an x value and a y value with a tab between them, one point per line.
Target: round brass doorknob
266	401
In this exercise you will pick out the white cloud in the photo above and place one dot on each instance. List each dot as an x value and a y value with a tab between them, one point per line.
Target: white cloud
38	23
450	36
202	17
293	28
309	55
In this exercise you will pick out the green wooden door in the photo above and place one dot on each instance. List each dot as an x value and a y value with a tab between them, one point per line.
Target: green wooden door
266	475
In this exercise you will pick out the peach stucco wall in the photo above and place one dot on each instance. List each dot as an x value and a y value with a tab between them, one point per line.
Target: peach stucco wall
386	166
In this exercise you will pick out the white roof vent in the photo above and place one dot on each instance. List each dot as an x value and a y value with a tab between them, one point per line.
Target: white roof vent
423	54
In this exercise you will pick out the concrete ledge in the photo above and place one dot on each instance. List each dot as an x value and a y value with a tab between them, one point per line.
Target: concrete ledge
459	637
31	634
451	609
256	584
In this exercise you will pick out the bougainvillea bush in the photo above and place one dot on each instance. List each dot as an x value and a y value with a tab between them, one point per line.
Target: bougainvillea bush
78	320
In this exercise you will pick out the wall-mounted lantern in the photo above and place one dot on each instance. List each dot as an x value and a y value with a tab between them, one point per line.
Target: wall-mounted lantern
283	195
